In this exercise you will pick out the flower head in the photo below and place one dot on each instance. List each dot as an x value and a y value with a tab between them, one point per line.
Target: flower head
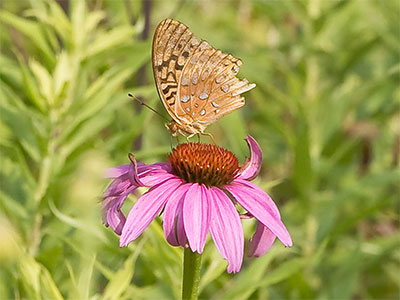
198	189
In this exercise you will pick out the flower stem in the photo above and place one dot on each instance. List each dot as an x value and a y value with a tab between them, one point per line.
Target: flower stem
191	274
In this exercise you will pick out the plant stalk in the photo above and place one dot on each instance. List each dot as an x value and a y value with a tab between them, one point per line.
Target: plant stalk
191	274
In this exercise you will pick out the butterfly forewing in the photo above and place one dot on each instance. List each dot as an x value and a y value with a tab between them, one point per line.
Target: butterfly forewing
171	40
196	83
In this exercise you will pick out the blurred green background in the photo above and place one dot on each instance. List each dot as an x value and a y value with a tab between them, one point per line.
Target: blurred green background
325	112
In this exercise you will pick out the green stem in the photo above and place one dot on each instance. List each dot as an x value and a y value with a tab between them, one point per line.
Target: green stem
191	274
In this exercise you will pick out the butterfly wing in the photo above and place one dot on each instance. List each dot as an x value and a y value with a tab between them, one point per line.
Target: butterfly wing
196	83
173	44
209	81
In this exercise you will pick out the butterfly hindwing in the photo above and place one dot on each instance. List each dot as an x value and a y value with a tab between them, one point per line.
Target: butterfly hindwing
218	91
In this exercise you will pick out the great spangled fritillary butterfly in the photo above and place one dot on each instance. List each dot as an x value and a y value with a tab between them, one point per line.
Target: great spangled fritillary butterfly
196	83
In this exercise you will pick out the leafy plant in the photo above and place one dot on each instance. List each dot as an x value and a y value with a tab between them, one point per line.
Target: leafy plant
325	111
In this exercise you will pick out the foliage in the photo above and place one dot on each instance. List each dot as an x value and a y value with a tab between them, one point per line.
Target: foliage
325	112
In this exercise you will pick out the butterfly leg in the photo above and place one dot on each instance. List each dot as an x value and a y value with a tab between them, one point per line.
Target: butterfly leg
188	137
211	136
198	137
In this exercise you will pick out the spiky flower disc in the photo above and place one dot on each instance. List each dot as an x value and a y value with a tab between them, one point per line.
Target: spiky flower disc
204	163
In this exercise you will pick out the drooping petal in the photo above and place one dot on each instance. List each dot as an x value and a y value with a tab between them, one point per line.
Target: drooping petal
115	217
259	205
261	194
117	187
142	169
111	207
172	217
261	241
146	209
226	229
117	171
133	172
252	167
128	178
196	216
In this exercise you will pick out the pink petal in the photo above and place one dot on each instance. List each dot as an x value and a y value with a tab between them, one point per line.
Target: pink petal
142	169
146	209
156	177
259	205
261	194
148	175
105	207
180	227
115	217
117	187
252	167
111	210
226	229
172	217
133	172
117	171
261	241
196	216
156	166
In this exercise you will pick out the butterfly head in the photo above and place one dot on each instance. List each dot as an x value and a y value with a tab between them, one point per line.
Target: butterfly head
172	128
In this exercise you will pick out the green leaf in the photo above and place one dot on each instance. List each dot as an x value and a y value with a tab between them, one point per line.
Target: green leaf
84	133
303	173
85	277
76	223
284	271
31	87
121	280
54	17
62	73
22	128
31	30
50	289
344	279
44	79
247	281
109	40
30	275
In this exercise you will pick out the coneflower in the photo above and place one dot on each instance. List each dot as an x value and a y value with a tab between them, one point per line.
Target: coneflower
197	189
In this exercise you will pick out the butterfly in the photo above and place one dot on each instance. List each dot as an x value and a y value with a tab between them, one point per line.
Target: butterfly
196	83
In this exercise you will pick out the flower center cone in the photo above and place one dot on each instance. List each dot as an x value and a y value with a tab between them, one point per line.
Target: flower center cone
204	163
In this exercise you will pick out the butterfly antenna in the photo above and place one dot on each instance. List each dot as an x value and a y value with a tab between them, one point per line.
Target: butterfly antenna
148	106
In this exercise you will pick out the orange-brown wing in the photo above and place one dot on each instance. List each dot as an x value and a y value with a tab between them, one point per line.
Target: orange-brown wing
210	85
173	45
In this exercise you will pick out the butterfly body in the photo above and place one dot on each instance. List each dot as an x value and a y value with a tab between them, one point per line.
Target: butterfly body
196	82
185	129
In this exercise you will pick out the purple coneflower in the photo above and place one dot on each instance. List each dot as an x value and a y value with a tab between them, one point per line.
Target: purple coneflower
198	189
